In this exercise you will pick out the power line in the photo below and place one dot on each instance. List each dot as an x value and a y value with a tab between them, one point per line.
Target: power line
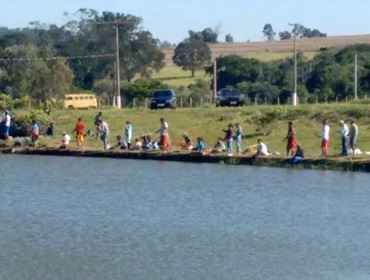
21	59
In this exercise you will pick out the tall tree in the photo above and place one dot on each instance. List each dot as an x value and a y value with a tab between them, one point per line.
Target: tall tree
268	32
139	51
192	55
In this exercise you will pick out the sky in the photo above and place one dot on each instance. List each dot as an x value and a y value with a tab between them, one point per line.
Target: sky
171	20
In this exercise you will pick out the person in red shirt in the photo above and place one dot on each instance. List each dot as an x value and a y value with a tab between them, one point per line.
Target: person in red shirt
229	135
80	131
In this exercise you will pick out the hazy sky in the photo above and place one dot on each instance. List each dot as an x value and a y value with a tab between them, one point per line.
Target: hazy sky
170	20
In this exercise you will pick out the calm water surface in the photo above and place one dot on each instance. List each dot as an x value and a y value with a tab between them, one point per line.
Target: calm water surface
80	218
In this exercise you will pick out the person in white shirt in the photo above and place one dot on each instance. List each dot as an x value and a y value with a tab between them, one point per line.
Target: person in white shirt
65	141
261	149
344	133
325	135
164	142
103	130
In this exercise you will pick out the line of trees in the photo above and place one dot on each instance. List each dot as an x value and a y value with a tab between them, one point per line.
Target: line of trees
298	29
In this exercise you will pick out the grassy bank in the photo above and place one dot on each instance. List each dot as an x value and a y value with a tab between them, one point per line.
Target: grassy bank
266	122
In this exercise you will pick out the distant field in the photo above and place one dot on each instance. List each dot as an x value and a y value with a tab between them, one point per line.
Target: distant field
174	76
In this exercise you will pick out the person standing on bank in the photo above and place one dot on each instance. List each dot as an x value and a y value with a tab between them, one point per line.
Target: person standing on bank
229	134
164	141
344	133
238	138
291	139
103	130
7	120
98	117
80	131
325	135
128	133
35	133
353	136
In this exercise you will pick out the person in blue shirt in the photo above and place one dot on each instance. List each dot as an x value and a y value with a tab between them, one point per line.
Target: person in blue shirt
199	146
35	133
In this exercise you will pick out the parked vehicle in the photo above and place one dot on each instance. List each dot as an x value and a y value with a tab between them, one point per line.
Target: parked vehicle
229	97
163	98
80	101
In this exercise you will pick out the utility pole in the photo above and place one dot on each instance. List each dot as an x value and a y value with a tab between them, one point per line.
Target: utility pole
117	99
117	95
356	78
215	80
294	95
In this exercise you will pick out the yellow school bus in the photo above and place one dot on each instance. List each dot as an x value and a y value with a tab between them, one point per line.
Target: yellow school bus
80	101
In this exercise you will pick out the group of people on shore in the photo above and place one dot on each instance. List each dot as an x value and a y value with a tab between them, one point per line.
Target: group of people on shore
233	133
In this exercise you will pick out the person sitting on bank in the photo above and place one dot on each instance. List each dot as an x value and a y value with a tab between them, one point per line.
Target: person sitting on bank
298	155
138	145
121	143
186	144
65	141
219	147
199	146
261	149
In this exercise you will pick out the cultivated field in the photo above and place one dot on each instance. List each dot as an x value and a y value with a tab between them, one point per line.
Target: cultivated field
286	46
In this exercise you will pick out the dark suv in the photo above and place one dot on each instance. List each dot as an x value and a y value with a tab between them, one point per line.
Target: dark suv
163	98
229	97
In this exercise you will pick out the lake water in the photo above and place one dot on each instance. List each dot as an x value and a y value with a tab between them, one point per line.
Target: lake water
83	218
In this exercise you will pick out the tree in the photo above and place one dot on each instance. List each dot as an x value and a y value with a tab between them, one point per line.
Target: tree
268	32
139	51
192	55
53	78
207	35
285	35
229	38
301	31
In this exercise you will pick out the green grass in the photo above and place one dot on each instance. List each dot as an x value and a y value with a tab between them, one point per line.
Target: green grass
209	122
271	56
174	76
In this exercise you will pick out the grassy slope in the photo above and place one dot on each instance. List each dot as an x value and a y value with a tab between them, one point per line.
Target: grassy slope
174	76
209	122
